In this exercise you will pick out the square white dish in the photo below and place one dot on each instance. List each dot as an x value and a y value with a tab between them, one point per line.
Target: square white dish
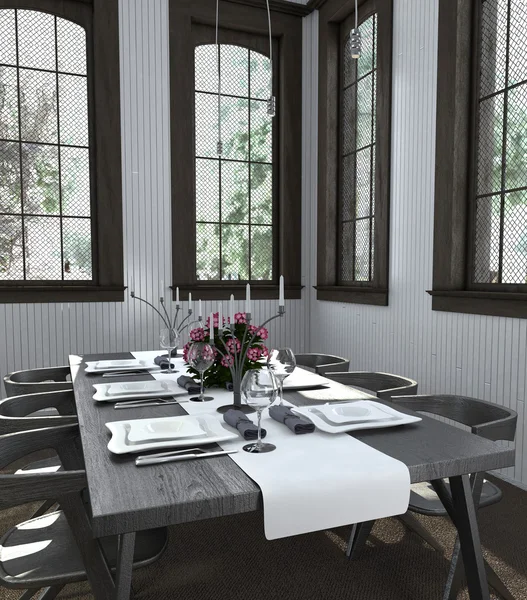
106	366
115	392
164	429
300	379
213	431
360	411
392	418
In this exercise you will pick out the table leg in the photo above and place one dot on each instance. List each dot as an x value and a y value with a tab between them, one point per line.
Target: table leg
467	526
125	561
359	535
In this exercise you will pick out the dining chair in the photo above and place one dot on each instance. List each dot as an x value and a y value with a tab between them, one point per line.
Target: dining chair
384	385
30	411
43	552
491	421
322	363
31	381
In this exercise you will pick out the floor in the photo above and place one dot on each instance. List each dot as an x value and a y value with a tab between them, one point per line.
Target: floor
229	559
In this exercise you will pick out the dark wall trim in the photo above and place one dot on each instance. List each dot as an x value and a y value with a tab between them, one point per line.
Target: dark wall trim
331	16
315	4
481	303
100	18
240	19
279	6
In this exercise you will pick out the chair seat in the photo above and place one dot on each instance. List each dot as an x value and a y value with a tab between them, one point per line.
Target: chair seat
42	552
424	500
46	465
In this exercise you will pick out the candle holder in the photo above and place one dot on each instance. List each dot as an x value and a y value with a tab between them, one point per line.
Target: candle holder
239	358
166	317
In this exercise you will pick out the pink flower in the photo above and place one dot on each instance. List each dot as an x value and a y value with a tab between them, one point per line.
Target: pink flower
227	360
197	335
233	345
240	317
185	351
264	351
264	333
254	353
252	329
215	320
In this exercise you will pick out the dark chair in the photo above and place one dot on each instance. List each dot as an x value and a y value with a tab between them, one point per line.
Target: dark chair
384	385
322	363
32	381
484	419
22	413
44	553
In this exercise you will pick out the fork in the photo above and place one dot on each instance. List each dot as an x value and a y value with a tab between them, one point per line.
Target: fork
148	402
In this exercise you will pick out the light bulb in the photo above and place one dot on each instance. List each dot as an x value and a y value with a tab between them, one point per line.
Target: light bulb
355	43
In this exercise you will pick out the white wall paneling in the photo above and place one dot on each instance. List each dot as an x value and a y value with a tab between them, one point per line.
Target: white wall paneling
475	355
36	335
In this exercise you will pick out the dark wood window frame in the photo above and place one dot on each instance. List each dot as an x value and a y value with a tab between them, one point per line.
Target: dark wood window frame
332	14
100	19
455	171
243	18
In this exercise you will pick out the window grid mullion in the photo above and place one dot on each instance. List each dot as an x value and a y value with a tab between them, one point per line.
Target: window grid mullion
504	146
20	148
373	104
249	249
62	264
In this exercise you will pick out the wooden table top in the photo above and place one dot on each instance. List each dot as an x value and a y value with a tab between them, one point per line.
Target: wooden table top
125	498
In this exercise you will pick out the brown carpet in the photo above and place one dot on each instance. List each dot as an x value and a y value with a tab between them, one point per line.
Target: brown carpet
229	559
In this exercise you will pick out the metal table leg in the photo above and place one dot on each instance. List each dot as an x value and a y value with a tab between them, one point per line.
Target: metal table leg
125	561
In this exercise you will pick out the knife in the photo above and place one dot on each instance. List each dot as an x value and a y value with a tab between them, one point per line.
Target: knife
145	402
179	455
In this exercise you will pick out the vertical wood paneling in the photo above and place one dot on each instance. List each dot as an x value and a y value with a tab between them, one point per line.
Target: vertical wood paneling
451	353
36	335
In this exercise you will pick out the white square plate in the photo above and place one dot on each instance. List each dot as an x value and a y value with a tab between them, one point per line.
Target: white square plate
213	430
105	366
129	390
354	412
164	429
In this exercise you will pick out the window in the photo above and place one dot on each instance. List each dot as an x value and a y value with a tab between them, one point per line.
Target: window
49	197
488	206
236	214
234	191
354	153
357	158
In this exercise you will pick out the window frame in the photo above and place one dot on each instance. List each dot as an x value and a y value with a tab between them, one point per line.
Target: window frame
455	173
333	14
243	20
100	19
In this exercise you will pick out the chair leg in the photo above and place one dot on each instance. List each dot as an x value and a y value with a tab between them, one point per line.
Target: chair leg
50	593
360	534
42	509
28	594
497	583
415	525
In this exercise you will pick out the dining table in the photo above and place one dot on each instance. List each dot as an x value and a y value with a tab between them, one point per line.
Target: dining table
124	499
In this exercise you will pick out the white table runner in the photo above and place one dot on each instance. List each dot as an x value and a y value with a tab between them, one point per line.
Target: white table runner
315	481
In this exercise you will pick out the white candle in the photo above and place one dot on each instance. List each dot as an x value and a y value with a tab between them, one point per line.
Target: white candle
189	301
211	328
281	301
248	299
220	320
199	308
232	309
177	297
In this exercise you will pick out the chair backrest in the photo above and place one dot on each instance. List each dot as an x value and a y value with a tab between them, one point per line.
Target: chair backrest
385	385
31	381
322	363
485	419
17	412
17	488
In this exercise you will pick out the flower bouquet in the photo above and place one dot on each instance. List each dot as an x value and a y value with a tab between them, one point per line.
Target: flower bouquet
229	344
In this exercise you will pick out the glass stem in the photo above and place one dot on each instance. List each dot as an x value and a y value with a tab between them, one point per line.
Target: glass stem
201	394
169	356
259	442
281	391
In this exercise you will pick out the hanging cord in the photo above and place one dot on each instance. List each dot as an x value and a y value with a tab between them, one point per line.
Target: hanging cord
356	15
271	103
218	59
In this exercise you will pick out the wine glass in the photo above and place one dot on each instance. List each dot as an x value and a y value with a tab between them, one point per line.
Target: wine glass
259	391
201	358
282	363
169	340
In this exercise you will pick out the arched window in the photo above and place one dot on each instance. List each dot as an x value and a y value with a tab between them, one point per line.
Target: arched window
60	200
234	191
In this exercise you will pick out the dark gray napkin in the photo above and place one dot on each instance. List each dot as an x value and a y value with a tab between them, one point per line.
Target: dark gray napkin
296	424
189	384
162	361
238	420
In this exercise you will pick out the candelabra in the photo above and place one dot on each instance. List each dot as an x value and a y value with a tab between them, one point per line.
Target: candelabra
238	358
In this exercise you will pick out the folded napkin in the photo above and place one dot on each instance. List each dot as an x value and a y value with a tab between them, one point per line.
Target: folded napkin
296	424
162	361
238	420
189	384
